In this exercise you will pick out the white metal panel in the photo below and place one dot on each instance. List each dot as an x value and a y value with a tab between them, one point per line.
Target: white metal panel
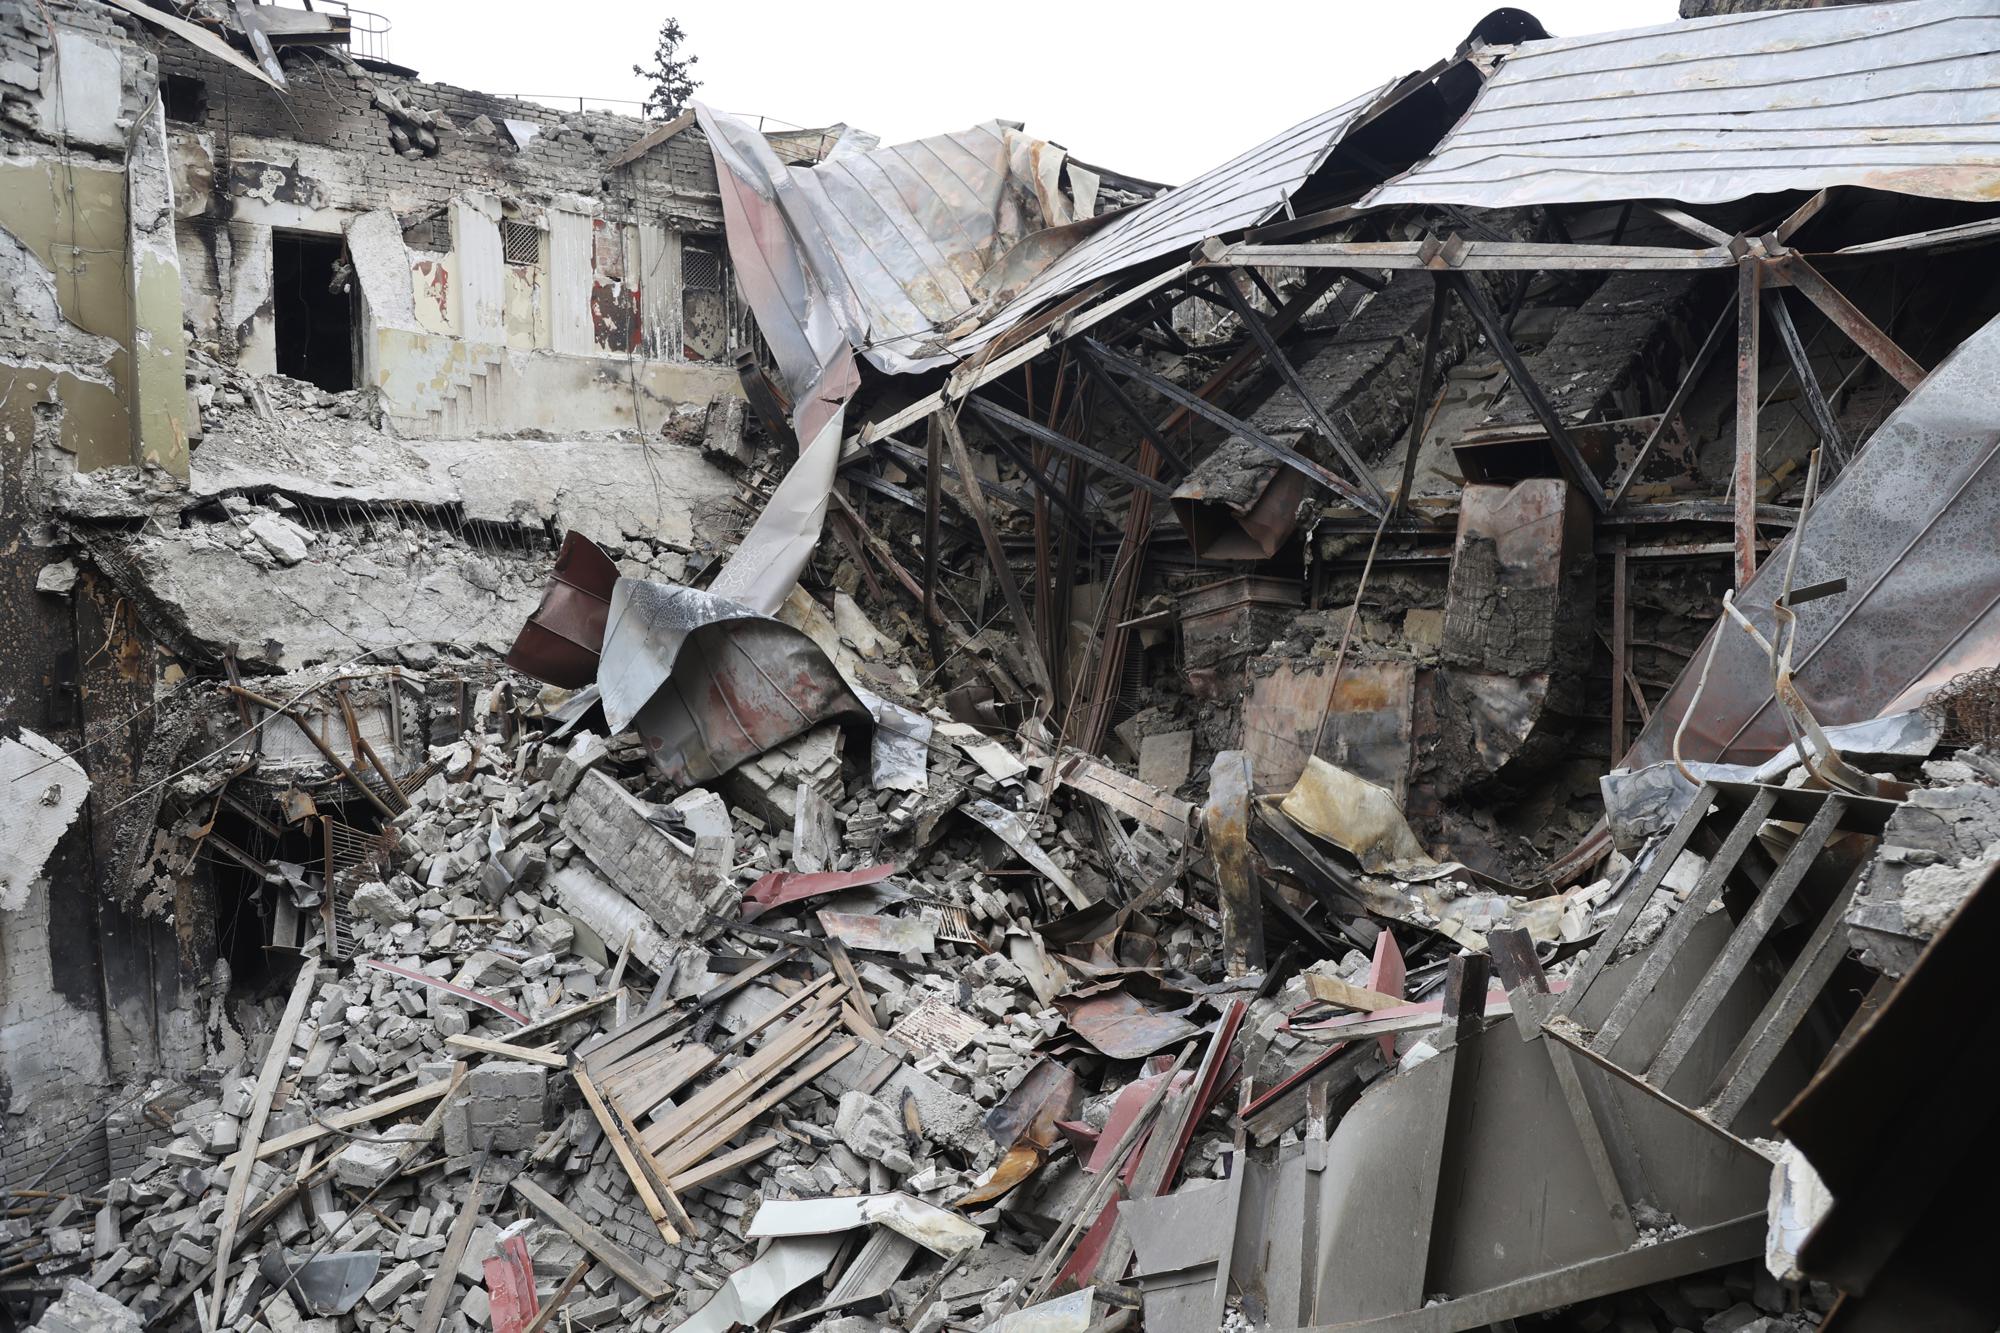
1903	97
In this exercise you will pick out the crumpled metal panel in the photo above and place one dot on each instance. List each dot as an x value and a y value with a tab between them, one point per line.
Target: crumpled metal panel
559	642
1900	97
1910	526
900	242
710	683
1116	1023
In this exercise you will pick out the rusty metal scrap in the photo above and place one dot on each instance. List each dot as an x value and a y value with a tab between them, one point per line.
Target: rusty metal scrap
562	638
1118	1024
710	683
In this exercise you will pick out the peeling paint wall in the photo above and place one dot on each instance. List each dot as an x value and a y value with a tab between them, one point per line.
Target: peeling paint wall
450	388
606	282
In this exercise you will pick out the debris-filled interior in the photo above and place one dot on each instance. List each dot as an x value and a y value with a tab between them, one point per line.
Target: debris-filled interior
683	725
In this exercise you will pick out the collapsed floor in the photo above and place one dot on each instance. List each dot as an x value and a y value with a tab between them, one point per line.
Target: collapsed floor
1156	761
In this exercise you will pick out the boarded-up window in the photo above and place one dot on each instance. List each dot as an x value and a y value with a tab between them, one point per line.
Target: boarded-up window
704	301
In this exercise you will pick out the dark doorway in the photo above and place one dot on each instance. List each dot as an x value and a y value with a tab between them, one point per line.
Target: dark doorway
315	323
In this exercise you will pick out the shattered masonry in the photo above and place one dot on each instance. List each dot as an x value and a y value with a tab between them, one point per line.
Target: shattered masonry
679	726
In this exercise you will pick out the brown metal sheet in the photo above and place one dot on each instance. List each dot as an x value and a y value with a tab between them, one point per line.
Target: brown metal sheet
1368	725
561	640
1117	1024
710	682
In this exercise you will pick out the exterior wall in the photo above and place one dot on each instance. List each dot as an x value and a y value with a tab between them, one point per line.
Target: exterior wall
86	249
444	165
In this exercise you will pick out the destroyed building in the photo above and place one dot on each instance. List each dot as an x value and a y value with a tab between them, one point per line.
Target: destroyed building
686	724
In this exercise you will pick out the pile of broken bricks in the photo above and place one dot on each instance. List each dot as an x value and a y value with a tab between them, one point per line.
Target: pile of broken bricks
979	1047
588	1049
617	1061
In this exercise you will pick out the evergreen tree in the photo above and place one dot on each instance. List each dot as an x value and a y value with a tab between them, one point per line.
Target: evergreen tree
671	76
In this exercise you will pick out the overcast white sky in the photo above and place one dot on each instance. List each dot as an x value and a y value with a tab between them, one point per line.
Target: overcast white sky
1161	90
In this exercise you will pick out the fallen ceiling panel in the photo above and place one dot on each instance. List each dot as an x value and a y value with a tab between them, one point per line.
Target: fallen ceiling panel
1901	97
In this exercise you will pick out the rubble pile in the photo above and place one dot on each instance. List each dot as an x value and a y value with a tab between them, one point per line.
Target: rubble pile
689	725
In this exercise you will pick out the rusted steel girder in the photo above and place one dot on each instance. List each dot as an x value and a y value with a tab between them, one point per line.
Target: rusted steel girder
1749	283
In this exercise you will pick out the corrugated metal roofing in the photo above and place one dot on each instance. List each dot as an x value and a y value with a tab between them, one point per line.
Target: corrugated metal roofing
1902	97
1250	188
899	241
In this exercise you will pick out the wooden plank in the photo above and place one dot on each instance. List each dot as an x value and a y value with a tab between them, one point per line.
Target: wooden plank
1660	954
1348	995
732	1085
608	1049
723	1165
615	1133
555	1021
645	1082
1743	941
253	1129
444	1278
359	1115
678	1157
610	1253
850	981
546	1056
555	1303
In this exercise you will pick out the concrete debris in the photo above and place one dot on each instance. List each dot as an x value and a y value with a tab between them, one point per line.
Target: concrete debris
1378	777
41	792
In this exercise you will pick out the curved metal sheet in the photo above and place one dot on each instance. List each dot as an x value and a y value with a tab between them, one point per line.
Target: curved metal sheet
560	641
709	682
1902	97
1910	526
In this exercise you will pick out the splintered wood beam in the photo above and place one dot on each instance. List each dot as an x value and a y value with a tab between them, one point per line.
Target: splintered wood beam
614	1256
1254	323
975	504
1749	282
